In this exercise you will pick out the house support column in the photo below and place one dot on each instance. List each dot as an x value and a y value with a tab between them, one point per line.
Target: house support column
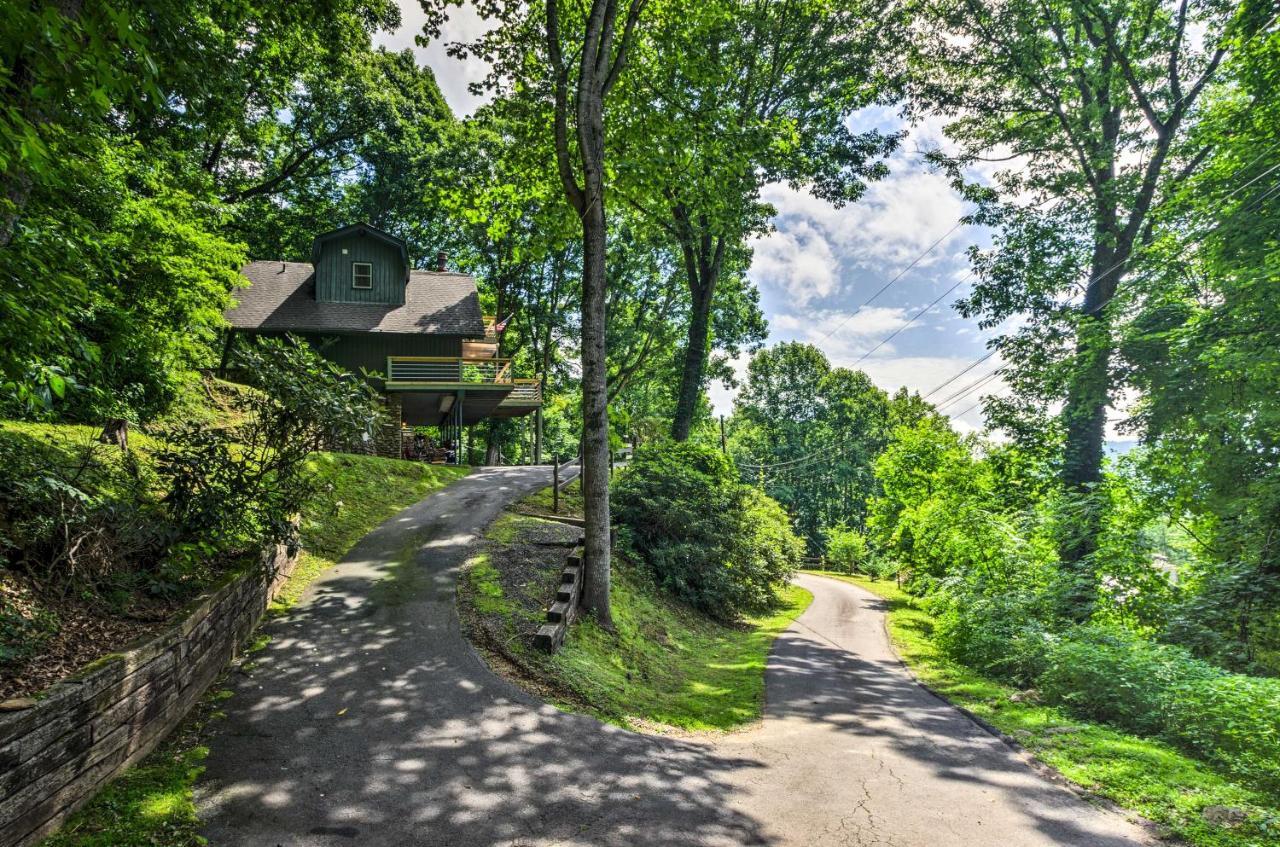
387	437
456	417
537	436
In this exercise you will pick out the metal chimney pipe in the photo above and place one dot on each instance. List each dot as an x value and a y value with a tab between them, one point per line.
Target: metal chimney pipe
441	258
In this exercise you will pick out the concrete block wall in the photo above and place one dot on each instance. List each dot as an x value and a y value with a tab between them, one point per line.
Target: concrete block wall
84	730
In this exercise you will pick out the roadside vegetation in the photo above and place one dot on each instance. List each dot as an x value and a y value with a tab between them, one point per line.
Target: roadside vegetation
1190	800
699	593
103	543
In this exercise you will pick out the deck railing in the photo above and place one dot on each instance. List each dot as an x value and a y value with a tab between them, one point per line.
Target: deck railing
527	392
450	370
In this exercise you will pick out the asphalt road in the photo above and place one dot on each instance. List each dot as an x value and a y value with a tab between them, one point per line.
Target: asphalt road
369	720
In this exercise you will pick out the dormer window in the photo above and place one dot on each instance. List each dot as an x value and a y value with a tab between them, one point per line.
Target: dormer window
361	275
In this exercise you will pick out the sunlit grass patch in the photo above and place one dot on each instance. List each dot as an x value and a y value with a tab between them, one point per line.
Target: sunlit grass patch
663	665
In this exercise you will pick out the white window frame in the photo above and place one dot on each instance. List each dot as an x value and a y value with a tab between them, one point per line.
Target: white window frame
355	276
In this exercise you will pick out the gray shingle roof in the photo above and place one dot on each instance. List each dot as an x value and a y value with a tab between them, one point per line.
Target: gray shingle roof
282	297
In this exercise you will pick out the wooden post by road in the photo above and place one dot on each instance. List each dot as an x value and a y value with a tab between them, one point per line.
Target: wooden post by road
555	486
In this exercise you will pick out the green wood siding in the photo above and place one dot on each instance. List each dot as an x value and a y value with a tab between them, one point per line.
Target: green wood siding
333	272
371	351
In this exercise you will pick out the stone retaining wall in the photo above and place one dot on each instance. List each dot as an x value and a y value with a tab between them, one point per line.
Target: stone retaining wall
84	730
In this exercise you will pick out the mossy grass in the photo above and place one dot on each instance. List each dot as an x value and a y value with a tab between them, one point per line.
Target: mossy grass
664	666
1146	775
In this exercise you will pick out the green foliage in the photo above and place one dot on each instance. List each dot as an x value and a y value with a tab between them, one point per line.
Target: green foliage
140	144
719	545
1002	634
810	434
846	550
1115	676
1233	721
984	556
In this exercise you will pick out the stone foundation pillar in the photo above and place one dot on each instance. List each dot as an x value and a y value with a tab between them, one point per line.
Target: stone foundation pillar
387	437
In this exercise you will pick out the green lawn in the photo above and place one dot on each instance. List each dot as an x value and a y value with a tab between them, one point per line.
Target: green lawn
1146	775
664	666
152	803
669	665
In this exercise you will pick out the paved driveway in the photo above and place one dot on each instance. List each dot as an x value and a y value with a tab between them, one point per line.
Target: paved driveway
369	720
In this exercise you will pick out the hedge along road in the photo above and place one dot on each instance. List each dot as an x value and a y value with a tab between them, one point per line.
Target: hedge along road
369	720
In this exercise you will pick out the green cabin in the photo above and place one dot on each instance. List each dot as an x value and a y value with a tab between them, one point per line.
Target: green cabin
362	304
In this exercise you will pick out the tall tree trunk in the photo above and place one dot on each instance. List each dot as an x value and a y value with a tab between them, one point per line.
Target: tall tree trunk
595	390
703	259
1085	418
695	363
598	68
595	416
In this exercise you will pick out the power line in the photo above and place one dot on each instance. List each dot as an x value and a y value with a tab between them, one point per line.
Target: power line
897	277
970	367
969	388
912	319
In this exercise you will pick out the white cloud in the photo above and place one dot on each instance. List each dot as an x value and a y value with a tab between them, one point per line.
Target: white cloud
798	260
452	75
843	336
897	220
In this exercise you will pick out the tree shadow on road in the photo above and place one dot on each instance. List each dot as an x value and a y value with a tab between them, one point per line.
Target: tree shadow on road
947	764
369	720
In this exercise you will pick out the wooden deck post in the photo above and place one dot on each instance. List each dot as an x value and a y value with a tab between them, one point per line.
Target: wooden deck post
537	435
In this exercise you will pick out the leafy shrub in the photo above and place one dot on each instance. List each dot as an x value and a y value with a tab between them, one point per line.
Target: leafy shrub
241	487
846	549
1233	721
882	567
1002	634
712	542
1116	676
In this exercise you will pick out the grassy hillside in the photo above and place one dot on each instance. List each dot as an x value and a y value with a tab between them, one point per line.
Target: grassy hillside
665	666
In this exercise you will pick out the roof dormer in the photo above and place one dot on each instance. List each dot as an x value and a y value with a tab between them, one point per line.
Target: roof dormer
360	264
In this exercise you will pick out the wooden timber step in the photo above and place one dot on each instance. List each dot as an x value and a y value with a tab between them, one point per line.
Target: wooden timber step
565	607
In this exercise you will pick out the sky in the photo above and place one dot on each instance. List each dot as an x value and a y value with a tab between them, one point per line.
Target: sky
820	263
